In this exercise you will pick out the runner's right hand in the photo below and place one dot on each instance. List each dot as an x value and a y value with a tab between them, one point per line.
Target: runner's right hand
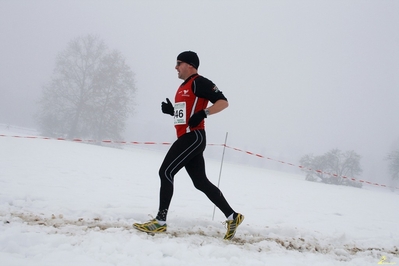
167	107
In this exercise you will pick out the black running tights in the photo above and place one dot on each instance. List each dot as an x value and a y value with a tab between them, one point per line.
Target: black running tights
187	151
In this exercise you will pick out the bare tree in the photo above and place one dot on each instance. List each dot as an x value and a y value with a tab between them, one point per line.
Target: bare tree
334	167
342	164
314	167
112	94
90	93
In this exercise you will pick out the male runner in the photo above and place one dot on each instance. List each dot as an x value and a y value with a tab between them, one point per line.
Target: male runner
189	111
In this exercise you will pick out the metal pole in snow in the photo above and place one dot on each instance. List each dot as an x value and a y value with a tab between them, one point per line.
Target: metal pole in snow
220	172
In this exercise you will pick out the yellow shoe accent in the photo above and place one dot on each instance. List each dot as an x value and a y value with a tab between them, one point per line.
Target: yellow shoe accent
232	226
150	227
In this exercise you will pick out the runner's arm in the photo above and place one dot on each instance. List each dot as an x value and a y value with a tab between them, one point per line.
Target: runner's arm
218	106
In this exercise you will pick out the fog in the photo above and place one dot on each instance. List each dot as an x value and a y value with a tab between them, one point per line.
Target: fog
300	76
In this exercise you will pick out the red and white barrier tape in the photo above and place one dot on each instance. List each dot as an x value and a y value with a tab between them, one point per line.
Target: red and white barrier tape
236	149
99	141
313	170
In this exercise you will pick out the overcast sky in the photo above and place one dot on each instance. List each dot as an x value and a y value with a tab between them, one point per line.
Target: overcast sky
301	76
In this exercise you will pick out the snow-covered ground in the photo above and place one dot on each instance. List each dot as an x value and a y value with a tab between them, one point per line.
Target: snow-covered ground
68	203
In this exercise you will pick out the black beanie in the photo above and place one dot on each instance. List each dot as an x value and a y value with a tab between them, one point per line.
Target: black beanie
190	58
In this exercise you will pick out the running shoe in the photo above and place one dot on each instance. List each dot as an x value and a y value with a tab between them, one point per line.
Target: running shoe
232	226
150	227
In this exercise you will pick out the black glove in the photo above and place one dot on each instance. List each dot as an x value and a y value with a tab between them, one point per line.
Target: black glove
167	108
196	118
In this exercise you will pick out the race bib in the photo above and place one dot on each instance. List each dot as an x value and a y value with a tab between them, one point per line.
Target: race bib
180	113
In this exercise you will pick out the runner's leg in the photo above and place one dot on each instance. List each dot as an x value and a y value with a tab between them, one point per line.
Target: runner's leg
196	170
182	151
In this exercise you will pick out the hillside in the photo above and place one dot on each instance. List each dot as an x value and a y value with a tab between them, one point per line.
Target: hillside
68	203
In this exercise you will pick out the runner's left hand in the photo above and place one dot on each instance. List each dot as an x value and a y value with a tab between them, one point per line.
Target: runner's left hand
196	118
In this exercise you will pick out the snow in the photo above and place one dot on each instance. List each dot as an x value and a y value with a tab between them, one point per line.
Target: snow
69	203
